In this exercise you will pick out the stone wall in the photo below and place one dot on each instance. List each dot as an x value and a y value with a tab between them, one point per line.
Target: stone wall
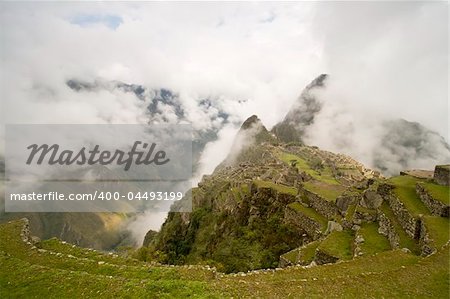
303	223
404	217
344	201
270	192
283	263
25	234
385	189
427	246
284	199
322	258
359	239
321	205
436	207
386	228
272	195
442	174
364	217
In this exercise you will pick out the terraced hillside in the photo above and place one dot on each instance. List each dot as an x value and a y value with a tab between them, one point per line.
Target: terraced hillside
249	213
265	209
55	269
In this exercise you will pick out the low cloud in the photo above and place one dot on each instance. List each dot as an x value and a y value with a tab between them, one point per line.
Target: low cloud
388	61
145	222
215	152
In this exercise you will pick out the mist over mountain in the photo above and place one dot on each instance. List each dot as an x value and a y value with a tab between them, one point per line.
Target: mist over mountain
383	143
163	106
301	114
406	145
396	144
214	65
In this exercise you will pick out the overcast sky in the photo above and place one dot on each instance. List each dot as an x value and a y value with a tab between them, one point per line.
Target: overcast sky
388	57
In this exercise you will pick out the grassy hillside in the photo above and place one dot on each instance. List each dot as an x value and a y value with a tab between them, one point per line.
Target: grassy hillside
391	274
53	269
63	271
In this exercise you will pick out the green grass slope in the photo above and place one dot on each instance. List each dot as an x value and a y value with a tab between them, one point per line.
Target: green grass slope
373	241
64	271
391	274
70	272
311	213
405	189
338	244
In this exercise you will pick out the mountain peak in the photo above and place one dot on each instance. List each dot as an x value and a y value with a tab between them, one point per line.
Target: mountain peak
251	134
302	113
318	82
252	129
251	122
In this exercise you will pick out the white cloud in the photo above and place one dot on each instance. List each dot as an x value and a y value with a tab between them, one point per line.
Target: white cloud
387	61
216	152
174	45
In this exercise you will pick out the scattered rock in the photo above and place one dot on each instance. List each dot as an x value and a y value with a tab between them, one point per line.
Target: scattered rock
35	239
333	226
357	221
406	250
359	239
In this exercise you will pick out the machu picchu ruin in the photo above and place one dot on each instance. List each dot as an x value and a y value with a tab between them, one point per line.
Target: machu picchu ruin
292	204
